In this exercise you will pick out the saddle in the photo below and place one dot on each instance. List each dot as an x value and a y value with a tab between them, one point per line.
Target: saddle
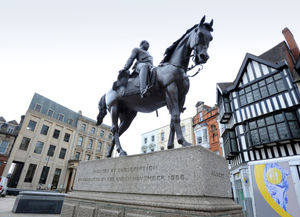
128	84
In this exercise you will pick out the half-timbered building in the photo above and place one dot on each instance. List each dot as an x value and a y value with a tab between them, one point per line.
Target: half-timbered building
259	115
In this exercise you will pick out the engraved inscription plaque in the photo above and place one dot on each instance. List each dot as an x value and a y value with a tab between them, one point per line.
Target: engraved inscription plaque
187	171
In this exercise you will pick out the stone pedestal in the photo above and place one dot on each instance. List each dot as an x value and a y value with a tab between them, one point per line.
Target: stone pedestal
188	181
38	202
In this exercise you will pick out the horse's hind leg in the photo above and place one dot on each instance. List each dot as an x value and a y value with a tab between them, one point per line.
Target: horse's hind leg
110	149
126	119
115	130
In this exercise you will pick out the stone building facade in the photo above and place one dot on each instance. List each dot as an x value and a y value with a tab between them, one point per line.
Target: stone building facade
91	142
157	139
46	146
8	134
206	128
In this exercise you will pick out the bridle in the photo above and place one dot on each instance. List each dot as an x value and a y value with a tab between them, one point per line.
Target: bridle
193	55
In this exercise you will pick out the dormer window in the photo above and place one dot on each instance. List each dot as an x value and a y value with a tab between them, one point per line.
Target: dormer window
37	107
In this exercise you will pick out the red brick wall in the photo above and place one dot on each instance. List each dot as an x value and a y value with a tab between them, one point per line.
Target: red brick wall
213	134
2	166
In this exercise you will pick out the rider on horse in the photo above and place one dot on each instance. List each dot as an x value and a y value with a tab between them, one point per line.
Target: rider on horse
144	63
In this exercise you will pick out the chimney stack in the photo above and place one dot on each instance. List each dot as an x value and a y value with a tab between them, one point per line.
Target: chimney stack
291	43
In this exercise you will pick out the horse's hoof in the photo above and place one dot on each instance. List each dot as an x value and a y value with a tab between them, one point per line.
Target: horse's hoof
123	153
186	144
171	146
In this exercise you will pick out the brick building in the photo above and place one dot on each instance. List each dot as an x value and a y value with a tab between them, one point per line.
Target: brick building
206	128
8	134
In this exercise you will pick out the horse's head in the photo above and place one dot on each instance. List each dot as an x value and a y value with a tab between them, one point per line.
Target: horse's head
200	43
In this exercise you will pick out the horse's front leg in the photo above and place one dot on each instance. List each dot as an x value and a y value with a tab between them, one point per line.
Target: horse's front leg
171	93
115	116
171	136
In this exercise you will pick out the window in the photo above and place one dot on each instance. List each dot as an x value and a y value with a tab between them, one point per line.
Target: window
273	128
199	140
101	133
38	147
56	178
31	125
37	107
51	150
67	137
70	121
10	129
205	136
162	148
56	134
24	144
50	113
62	153
230	143
87	157
93	130
162	136
60	117
44	130
110	136
263	89
213	128
99	145
80	139
3	146
152	147
83	126
44	175
90	144
152	138
200	116
30	173
145	140
77	155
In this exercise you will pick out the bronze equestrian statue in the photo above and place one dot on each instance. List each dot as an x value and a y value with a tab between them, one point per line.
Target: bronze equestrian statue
169	85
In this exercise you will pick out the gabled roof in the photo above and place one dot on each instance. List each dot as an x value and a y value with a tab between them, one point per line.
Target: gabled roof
245	63
223	86
275	54
13	122
2	119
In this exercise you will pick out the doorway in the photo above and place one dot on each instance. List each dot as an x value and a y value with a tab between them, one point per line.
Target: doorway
14	174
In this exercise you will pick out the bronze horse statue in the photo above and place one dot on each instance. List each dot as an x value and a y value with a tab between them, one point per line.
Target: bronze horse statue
170	88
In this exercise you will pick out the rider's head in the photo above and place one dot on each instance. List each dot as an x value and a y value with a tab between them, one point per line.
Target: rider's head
144	45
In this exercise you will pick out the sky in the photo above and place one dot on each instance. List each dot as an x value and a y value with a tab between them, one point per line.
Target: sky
70	51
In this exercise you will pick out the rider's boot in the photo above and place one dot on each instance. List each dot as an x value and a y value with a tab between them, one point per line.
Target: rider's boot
143	82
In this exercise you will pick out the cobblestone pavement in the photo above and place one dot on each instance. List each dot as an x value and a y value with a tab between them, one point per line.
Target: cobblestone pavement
6	205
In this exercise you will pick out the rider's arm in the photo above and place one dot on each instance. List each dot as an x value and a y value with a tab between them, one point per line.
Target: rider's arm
131	59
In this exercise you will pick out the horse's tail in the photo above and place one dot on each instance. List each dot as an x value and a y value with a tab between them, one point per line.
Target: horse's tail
102	110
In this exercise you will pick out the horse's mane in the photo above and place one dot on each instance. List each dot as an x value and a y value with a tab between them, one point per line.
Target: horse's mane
169	51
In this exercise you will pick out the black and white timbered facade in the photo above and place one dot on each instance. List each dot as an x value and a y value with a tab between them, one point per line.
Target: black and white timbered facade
259	115
260	111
